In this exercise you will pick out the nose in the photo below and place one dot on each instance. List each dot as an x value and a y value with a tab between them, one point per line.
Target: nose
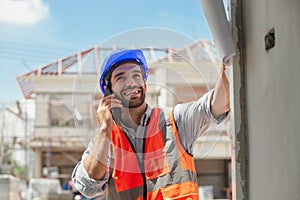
130	81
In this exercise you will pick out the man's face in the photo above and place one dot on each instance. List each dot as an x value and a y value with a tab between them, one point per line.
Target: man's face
128	85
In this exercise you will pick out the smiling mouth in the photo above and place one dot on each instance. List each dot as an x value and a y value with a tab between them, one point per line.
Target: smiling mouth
132	92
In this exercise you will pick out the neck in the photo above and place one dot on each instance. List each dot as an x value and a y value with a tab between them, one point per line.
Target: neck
131	117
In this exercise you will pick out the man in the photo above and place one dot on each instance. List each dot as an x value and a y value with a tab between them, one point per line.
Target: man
146	153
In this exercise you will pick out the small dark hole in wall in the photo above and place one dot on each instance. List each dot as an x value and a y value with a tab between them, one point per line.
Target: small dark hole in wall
270	39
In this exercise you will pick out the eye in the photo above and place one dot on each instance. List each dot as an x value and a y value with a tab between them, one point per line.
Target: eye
137	75
120	78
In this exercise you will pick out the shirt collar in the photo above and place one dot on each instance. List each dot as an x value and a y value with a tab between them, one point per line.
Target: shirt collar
146	116
144	119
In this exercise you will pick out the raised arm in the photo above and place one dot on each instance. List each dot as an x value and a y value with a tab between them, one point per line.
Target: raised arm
95	162
220	101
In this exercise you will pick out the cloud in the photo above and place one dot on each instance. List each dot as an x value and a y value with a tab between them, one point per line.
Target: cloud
24	12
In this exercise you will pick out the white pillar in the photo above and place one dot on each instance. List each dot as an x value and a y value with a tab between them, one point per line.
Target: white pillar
38	164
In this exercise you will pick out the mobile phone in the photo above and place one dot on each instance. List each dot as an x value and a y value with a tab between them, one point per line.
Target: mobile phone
115	112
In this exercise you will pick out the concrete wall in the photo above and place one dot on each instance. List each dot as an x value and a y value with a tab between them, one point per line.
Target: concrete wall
272	83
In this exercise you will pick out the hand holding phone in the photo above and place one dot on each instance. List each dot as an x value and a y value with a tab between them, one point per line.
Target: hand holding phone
116	112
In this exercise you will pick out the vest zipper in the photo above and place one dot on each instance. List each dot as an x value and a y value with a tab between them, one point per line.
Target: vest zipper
143	173
141	164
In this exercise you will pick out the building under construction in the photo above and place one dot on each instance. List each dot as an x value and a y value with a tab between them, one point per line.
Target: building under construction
66	95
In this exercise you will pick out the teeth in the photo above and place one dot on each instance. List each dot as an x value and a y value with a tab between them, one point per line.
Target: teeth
133	92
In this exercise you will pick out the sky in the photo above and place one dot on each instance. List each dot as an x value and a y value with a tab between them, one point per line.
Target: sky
34	33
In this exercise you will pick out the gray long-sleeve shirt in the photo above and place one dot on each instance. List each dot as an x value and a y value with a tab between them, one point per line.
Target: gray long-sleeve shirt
192	119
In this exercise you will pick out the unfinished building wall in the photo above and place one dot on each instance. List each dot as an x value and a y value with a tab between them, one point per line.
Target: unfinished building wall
272	97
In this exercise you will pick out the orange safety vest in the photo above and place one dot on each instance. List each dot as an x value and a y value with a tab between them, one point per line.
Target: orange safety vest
167	170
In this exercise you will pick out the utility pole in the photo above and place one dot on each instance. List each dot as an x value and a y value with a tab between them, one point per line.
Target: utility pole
27	153
2	133
23	115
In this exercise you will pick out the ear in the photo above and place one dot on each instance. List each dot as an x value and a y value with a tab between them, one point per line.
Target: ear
145	83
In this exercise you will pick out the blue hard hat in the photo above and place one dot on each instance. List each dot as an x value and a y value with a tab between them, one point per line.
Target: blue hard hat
120	57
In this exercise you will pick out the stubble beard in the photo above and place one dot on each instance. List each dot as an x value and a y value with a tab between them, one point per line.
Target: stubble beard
133	103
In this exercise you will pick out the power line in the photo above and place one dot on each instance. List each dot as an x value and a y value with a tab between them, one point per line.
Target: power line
24	59
36	47
31	53
14	52
13	49
25	53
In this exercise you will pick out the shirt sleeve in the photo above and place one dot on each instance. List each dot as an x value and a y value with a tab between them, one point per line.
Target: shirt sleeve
193	119
84	184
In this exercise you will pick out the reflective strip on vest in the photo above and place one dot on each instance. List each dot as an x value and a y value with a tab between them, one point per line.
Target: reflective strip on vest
167	169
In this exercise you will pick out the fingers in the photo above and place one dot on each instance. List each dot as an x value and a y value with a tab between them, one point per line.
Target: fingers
109	102
115	103
224	67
